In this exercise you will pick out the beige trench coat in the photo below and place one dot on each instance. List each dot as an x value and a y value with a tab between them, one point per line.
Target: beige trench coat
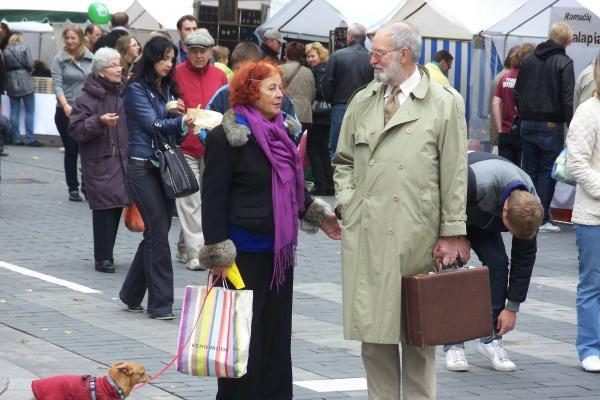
399	189
301	89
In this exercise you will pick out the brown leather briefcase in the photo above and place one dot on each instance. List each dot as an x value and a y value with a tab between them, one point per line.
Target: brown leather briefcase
447	307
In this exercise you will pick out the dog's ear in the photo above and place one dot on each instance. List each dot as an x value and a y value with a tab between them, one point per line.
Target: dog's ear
124	368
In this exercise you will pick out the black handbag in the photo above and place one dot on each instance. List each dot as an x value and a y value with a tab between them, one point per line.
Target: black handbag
320	106
177	177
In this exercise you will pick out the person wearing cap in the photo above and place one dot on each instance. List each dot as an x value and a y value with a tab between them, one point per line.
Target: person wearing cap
198	81
271	45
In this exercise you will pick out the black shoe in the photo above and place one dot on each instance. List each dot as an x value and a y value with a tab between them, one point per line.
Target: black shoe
3	154
105	266
20	144
74	195
135	309
163	317
35	143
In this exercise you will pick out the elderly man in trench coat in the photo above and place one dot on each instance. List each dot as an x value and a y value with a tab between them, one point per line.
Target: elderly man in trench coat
400	177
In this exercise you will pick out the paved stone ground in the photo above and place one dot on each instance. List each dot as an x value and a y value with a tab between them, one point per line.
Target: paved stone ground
48	329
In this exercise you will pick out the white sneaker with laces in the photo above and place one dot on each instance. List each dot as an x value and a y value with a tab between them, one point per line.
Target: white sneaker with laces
549	227
591	364
494	351
456	360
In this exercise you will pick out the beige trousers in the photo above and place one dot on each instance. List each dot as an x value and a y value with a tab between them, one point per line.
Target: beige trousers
190	219
387	376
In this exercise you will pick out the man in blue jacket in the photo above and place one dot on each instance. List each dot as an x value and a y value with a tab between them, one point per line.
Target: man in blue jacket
500	198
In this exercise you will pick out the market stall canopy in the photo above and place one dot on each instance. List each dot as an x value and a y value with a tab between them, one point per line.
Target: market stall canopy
459	19
143	14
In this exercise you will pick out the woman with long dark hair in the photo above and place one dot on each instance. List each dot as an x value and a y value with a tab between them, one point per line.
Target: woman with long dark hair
146	100
70	68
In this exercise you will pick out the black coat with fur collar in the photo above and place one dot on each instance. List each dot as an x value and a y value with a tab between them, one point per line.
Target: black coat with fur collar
236	189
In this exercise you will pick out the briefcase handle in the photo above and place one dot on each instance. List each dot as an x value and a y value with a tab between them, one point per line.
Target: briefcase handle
444	267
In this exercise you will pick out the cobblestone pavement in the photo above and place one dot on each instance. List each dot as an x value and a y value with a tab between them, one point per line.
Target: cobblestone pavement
49	329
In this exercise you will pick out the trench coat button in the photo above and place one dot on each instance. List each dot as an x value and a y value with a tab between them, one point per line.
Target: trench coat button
400	166
408	130
396	198
371	162
390	231
368	195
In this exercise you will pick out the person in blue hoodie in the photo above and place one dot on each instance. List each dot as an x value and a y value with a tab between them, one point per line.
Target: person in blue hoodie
501	197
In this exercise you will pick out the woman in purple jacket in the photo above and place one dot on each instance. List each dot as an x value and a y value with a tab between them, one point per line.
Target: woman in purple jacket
98	124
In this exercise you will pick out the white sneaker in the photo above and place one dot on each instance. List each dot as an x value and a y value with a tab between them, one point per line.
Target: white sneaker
548	227
193	264
456	360
494	351
591	364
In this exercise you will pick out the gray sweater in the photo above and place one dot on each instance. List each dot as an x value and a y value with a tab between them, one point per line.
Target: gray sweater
69	76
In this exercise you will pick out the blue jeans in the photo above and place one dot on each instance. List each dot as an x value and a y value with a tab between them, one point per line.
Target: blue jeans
588	291
542	143
15	112
337	116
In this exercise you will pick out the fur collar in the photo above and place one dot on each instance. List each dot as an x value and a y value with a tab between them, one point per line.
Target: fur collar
237	134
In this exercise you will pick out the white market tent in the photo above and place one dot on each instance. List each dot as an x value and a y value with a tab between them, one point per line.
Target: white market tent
528	23
442	26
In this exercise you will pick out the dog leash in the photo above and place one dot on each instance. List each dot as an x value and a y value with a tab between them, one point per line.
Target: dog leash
162	371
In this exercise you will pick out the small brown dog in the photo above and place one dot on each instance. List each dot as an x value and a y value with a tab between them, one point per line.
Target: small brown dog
122	378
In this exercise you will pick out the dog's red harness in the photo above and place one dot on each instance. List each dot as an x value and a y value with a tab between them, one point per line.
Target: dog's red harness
76	386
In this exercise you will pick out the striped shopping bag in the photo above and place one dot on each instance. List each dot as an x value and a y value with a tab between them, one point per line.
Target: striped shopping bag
214	333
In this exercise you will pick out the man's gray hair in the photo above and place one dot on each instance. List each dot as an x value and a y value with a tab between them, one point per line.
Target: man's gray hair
102	57
404	35
358	31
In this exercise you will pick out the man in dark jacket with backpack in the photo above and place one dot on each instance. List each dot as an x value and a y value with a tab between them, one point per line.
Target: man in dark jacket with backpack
500	198
544	98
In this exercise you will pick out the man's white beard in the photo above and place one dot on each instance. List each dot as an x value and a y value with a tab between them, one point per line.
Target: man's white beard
387	75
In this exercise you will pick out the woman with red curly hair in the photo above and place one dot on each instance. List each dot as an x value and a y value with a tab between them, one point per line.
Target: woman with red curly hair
253	198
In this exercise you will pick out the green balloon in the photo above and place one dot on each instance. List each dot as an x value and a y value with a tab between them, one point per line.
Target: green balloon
98	13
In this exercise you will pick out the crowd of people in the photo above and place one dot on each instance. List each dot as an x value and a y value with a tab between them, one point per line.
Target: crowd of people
386	136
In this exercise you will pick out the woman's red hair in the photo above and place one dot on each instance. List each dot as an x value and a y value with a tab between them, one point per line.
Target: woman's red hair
243	89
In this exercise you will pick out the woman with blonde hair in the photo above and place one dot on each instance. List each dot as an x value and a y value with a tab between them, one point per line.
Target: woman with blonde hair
19	87
318	135
130	50
583	144
70	68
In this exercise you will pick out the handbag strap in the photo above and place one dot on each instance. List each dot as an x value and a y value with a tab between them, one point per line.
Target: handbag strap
291	79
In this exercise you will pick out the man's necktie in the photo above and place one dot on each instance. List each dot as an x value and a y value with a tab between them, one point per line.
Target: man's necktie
391	105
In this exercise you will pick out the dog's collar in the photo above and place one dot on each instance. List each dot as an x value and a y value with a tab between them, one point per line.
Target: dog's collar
112	382
93	387
119	390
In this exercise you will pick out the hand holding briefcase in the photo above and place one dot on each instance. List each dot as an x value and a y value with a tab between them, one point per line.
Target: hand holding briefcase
447	307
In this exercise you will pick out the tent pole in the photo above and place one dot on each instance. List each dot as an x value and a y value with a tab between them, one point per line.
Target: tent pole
526	21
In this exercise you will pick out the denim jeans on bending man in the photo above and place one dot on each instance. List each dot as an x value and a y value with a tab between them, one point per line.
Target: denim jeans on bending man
337	116
542	143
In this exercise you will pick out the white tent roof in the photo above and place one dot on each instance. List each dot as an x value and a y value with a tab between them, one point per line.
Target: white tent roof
313	19
532	19
459	19
143	14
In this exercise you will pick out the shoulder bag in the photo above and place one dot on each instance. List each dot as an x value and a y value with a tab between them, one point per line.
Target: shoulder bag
177	176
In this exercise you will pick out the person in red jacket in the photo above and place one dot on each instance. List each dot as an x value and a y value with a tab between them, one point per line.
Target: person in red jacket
198	81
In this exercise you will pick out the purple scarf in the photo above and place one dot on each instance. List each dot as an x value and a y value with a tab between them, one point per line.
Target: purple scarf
287	185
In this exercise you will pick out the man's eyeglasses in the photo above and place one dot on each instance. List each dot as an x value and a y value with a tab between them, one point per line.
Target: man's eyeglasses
380	54
117	66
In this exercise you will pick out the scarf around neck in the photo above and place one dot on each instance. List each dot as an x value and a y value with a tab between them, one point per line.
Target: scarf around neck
287	185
